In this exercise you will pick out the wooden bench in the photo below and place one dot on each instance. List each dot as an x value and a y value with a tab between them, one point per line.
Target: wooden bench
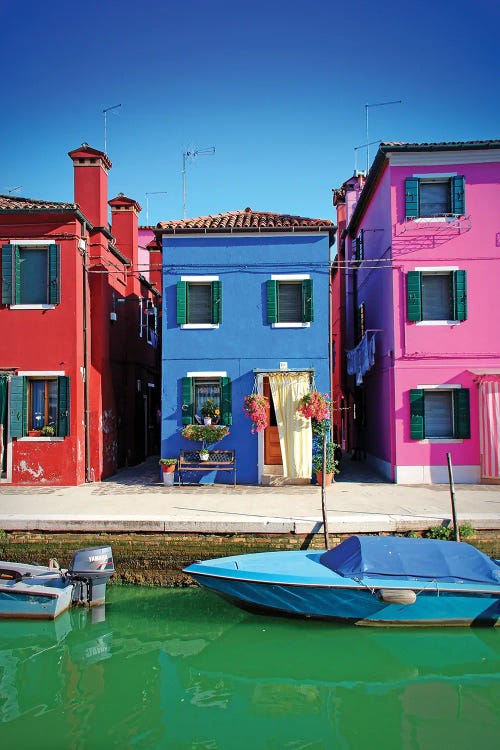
218	460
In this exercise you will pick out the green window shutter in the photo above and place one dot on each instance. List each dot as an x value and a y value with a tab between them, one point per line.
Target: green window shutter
18	411
412	197
414	295
62	406
216	301
7	285
307	301
272	301
457	186
54	296
417	429
459	295
187	401
461	412
181	303
17	270
226	401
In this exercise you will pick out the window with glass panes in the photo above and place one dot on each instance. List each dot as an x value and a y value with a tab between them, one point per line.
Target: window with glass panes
437	295
30	274
39	401
431	197
205	390
197	390
440	413
289	300
199	302
42	403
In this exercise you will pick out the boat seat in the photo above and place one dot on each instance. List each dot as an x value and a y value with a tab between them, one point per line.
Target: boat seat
7	574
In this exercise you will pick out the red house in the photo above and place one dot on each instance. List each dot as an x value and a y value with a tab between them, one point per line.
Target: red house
344	199
79	354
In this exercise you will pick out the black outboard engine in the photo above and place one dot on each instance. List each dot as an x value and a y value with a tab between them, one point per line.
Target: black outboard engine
90	570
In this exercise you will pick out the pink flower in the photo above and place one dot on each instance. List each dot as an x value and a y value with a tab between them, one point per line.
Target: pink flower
314	405
256	407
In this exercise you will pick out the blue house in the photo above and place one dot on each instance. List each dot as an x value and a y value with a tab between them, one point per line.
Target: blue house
246	309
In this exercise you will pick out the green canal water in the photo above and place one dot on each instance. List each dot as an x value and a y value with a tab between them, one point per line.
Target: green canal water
179	669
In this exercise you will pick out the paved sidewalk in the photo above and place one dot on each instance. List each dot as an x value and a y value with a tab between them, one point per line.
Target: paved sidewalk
136	500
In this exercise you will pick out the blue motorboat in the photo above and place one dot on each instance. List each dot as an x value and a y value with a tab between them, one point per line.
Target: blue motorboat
366	580
42	592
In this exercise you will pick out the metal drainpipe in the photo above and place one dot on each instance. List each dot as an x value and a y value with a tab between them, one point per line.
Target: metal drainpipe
330	342
86	357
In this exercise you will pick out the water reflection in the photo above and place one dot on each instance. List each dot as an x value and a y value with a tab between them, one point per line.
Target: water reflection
181	669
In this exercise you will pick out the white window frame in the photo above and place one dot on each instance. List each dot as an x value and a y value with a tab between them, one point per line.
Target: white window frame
434	177
199	326
441	387
34	244
290	277
438	270
41	375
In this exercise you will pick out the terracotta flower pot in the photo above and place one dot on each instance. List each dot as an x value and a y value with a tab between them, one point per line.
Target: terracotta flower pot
167	469
328	478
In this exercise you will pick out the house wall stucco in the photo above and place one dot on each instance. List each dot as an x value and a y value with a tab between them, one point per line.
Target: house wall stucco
409	354
244	340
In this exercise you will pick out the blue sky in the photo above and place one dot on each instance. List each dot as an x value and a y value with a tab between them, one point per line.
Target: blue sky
277	87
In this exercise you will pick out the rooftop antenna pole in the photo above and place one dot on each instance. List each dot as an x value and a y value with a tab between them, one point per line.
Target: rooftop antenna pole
157	192
185	156
105	112
356	149
367	106
13	190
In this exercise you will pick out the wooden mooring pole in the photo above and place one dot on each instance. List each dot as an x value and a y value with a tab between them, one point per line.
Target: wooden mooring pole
456	529
323	494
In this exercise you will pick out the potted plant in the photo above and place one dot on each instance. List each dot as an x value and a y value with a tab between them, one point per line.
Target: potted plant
167	469
48	431
256	407
206	435
209	411
330	467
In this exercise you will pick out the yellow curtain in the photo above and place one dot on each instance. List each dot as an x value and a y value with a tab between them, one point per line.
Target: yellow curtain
294	430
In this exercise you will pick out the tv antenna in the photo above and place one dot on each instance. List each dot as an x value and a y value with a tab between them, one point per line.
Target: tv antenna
13	190
191	155
105	112
157	192
356	149
367	106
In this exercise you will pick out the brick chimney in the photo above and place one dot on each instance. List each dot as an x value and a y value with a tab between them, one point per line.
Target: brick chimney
125	229
91	183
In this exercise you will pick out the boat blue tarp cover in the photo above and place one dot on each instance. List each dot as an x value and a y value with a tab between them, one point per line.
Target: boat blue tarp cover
401	557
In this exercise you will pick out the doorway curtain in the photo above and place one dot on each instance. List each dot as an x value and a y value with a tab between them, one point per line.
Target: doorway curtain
294	430
489	424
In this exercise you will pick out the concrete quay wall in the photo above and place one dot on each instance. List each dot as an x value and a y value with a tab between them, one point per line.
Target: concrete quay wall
154	559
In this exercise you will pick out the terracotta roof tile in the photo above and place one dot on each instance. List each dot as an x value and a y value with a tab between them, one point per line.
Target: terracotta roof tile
15	203
244	220
387	145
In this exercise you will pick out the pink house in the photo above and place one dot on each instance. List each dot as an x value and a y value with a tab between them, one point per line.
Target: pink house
423	264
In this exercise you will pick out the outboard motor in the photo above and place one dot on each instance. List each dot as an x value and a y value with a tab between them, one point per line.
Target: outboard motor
90	570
